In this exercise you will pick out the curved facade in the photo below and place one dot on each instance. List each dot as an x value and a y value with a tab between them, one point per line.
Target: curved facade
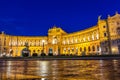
103	38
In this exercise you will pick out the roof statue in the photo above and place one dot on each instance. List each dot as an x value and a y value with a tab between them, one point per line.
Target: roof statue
99	17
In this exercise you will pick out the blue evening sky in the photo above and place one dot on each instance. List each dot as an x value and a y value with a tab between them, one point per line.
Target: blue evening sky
35	17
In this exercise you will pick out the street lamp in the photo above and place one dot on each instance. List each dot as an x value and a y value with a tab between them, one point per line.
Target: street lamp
43	41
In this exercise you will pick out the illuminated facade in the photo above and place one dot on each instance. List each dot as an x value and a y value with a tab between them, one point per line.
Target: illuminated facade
103	38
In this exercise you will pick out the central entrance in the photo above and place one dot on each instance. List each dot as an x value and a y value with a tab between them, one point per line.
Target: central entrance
54	50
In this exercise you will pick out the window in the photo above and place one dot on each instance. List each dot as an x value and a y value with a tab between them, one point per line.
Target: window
64	42
92	37
105	34
54	41
72	49
80	49
104	26
64	49
84	39
97	48
85	49
89	48
97	36
93	48
76	40
88	38
68	50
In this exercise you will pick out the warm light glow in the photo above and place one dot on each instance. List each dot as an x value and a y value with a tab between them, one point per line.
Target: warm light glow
92	37
68	42
76	40
43	68
88	38
64	42
8	68
43	41
97	36
114	50
71	40
84	39
60	39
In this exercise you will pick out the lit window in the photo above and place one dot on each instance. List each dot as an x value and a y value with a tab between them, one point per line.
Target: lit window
84	39
76	40
68	41
54	41
72	49
64	49
68	50
97	36
88	38
93	48
64	42
92	37
71	40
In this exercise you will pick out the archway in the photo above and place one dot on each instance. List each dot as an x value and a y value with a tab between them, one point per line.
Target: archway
50	52
25	52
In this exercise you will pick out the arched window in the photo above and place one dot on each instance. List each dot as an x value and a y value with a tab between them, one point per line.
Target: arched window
80	49
54	41
85	49
88	38
89	48
72	49
97	47
97	36
93	48
76	49
68	50
92	36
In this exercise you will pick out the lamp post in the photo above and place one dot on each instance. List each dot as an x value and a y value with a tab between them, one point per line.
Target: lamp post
43	41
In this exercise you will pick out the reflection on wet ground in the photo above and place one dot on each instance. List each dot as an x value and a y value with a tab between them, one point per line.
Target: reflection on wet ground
60	70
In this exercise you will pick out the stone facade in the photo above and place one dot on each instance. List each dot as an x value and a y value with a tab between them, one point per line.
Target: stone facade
103	38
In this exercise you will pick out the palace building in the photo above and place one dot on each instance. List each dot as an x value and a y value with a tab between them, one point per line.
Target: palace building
103	38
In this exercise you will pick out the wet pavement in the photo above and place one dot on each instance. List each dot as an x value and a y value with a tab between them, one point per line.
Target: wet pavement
60	70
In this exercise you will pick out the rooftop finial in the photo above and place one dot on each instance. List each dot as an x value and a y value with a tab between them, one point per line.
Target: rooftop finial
2	32
108	16
99	17
116	12
54	26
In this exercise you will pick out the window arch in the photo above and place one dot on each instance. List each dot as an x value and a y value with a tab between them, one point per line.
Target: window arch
89	48
93	48
98	48
85	49
80	49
